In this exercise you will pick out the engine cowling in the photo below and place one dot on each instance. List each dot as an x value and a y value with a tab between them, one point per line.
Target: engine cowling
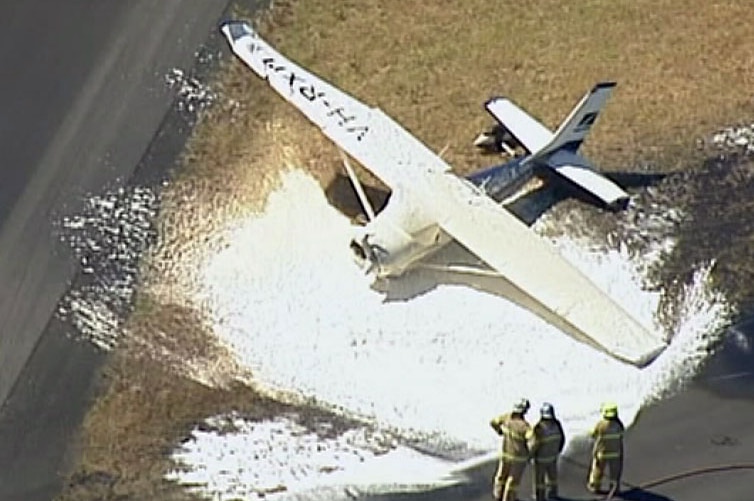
387	250
384	250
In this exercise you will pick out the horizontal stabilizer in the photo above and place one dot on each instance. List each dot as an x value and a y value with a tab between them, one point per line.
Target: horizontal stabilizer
598	185
579	171
531	134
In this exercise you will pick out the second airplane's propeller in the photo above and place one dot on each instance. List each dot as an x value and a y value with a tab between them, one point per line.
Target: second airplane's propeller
357	187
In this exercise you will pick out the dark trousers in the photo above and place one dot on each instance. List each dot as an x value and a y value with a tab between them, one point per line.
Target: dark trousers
545	479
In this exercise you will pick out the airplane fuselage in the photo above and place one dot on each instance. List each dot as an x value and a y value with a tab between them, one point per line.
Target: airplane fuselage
401	235
503	180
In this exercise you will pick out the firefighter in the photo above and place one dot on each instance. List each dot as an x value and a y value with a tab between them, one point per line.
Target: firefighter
516	433
607	453
545	446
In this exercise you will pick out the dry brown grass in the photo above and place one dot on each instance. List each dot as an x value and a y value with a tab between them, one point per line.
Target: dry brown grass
684	67
147	406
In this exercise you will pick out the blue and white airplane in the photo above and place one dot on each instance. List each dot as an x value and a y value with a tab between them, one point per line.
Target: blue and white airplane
544	150
430	206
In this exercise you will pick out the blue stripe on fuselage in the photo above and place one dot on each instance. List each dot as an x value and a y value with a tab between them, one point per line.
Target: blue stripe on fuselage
501	181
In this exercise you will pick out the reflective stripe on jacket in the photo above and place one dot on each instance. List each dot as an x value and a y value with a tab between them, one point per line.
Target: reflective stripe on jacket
547	440
608	435
516	432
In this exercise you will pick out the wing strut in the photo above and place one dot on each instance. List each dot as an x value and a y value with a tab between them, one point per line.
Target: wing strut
357	187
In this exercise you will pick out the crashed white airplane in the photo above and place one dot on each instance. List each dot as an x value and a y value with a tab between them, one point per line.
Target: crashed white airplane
430	206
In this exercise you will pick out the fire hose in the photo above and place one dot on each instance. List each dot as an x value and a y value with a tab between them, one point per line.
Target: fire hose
673	477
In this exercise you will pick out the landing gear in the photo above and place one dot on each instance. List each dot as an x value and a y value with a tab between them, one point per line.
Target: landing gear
497	140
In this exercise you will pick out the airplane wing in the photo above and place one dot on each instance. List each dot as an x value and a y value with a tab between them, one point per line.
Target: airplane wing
537	269
343	119
462	210
526	129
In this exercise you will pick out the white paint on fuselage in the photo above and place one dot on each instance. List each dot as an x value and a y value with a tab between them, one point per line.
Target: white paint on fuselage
400	236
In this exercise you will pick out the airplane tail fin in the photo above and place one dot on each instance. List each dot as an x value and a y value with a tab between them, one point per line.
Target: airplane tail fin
560	154
576	126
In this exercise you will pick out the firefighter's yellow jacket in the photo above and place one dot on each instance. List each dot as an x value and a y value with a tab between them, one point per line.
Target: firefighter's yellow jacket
516	433
608	435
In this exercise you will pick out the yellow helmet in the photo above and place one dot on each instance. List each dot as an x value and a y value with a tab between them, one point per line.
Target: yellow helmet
609	410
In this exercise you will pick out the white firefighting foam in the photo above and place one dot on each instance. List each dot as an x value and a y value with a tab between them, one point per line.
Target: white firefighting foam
287	299
281	458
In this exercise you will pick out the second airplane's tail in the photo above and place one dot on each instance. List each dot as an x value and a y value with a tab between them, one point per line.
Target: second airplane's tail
559	150
537	139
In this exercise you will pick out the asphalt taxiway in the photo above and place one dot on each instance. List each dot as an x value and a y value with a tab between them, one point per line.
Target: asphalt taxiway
84	97
697	445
